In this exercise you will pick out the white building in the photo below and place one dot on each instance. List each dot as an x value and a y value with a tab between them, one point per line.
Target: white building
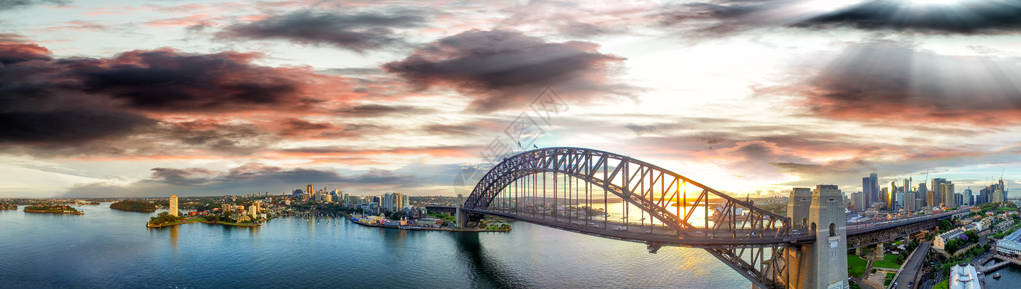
941	241
1010	245
964	277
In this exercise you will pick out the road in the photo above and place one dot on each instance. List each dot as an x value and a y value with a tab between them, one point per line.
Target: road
910	269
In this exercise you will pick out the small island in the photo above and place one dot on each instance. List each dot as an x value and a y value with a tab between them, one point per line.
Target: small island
6	206
53	209
134	206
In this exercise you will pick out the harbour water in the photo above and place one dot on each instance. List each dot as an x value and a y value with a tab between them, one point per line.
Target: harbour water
112	249
1010	278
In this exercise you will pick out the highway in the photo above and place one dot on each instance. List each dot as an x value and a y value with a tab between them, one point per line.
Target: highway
910	269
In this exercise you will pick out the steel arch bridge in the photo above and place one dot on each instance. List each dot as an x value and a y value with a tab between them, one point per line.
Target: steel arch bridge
681	211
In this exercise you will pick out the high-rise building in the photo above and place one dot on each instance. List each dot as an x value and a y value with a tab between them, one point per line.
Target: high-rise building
253	210
866	191
969	198
173	206
923	193
887	199
943	192
309	191
858	199
894	202
874	183
910	202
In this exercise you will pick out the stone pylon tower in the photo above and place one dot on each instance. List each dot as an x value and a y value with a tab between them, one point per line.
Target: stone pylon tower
822	264
827	257
798	208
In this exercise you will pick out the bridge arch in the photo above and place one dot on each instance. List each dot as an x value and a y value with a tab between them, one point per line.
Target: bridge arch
648	187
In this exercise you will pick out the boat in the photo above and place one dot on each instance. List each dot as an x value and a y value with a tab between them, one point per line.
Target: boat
996	276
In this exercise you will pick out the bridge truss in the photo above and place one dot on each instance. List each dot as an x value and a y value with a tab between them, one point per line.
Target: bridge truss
560	187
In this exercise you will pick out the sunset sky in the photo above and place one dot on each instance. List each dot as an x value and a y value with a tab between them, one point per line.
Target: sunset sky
148	98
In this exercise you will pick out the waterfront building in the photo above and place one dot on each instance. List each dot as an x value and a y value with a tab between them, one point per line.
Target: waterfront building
964	277
1010	245
253	210
173	206
940	241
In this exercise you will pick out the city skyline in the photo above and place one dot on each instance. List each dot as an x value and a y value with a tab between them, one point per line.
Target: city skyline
109	99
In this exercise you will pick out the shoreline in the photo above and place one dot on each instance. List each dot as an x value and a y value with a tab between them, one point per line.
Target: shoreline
416	228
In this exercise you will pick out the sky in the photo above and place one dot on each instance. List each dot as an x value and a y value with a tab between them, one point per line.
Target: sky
750	97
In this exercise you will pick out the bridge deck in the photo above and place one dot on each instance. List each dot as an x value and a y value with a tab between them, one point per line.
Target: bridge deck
646	233
666	236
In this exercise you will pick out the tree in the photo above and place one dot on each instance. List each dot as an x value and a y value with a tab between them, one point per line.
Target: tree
952	245
945	225
971	235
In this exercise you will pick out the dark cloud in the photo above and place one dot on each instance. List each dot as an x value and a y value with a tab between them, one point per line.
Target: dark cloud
114	105
896	81
501	68
723	17
355	31
964	17
375	110
40	127
167	80
11	4
248	178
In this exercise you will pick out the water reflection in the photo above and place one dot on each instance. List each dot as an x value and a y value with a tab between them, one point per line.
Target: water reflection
485	272
173	238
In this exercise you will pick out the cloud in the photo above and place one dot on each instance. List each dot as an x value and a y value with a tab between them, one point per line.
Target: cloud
13	51
148	101
355	31
888	80
502	68
71	126
376	110
247	178
724	17
959	17
12	4
167	80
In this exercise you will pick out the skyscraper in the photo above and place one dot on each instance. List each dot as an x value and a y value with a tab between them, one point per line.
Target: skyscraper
943	191
866	191
173	206
894	202
874	183
924	195
308	191
969	198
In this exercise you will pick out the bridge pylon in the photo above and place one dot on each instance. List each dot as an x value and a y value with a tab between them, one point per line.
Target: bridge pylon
822	264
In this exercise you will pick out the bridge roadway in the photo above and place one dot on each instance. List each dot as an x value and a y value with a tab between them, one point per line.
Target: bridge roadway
667	236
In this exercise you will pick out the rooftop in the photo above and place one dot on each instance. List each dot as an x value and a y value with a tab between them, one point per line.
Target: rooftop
1012	241
964	277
